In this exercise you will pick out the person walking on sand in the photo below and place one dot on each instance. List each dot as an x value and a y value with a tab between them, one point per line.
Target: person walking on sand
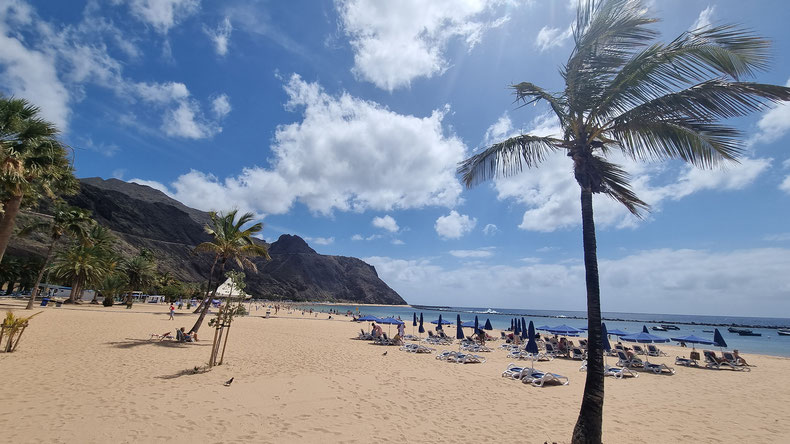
172	312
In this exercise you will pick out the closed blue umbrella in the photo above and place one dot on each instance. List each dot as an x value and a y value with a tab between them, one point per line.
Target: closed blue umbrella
488	325
644	329
459	331
477	325
718	340
511	325
439	323
421	329
524	332
532	345
414	322
517	330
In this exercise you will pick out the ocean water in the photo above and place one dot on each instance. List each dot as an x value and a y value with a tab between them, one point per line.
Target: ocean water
770	343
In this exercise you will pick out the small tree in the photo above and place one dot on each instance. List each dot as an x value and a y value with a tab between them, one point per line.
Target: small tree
232	307
139	272
12	328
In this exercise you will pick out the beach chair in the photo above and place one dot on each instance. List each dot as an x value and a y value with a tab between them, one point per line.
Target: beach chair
658	368
713	361
652	350
688	362
423	349
619	372
446	339
162	337
502	336
409	348
445	355
735	362
468	358
538	378
552	351
638	350
514	371
577	353
624	361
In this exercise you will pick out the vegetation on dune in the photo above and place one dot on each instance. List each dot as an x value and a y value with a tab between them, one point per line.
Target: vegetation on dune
646	101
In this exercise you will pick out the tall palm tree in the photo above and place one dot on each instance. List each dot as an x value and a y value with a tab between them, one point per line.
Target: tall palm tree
32	162
71	220
80	265
650	101
140	271
231	242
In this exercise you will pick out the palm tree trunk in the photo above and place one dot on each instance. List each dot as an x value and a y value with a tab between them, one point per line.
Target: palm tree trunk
204	301
11	207
34	293
589	424
199	321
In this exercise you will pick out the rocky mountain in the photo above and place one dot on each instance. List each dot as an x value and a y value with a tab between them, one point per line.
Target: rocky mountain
143	217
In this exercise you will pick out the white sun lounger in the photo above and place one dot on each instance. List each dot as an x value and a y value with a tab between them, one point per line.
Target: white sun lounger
538	378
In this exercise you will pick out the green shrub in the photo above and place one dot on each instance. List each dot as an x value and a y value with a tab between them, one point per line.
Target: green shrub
108	301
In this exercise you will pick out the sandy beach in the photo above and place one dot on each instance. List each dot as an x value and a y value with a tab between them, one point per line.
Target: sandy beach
91	374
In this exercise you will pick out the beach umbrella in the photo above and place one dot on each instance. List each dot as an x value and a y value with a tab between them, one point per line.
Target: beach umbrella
718	340
477	325
414	323
643	338
436	321
511	325
439	323
459	331
389	321
369	318
543	327
617	332
644	329
468	324
524	332
693	340
565	330
421	329
532	345
488	325
605	345
517	328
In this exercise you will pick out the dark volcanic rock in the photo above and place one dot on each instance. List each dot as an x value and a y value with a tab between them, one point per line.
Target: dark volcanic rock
143	217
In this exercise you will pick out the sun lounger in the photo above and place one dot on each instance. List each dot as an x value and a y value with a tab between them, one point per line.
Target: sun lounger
624	361
514	371
619	372
466	358
446	354
713	361
538	378
417	348
552	351
658	368
735	362
680	360
162	337
638	350
577	353
652	350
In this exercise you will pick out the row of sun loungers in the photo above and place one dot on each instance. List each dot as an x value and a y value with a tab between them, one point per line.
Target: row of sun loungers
417	348
635	362
728	360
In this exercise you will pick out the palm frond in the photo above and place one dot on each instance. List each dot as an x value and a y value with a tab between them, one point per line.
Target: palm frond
529	93
616	185
699	143
506	158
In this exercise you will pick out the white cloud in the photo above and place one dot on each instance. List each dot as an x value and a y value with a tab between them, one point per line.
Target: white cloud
704	19
149	183
397	242
163	14
490	230
499	130
345	154
454	225
320	240
785	185
184	121
359	237
549	37
106	149
395	42
775	122
221	105
551	194
781	237
220	36
658	281
387	222
479	253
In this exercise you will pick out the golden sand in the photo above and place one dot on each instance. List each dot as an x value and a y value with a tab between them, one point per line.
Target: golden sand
90	374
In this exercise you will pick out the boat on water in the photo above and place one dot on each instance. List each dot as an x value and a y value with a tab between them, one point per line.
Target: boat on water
707	331
743	331
784	332
670	327
659	328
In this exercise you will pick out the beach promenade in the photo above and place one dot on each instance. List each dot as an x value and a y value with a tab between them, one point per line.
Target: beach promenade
90	374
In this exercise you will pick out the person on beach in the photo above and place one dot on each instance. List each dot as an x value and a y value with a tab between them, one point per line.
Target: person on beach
402	330
183	336
739	358
172	312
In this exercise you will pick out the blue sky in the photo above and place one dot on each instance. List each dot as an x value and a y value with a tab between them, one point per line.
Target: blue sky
343	122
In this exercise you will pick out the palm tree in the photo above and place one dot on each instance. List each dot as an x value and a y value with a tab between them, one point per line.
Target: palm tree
80	265
72	220
231	242
32	162
650	101
140	272
112	286
10	271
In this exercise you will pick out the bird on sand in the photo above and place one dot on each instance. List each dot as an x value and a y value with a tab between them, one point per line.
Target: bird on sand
384	354
228	382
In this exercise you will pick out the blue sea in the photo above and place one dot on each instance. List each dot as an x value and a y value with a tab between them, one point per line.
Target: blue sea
770	343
